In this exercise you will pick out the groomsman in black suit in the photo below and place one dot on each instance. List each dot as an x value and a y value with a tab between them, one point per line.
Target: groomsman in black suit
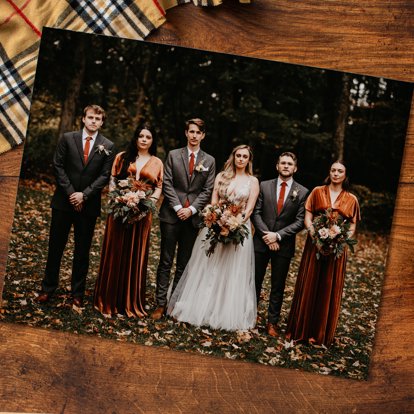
82	164
278	215
189	174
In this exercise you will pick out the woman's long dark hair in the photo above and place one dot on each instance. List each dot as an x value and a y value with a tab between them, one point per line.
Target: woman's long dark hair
131	152
345	184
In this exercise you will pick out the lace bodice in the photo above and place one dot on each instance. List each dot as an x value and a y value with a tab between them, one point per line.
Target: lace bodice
235	194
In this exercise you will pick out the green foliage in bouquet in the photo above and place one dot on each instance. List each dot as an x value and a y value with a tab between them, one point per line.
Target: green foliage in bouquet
130	200
332	234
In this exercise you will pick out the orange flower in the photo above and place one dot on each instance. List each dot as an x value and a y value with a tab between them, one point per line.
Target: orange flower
210	218
332	216
138	185
334	231
235	209
224	231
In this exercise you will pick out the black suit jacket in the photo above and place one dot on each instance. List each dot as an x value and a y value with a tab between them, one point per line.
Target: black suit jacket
289	222
73	175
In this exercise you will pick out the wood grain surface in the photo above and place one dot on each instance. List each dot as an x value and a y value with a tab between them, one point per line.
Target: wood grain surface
53	372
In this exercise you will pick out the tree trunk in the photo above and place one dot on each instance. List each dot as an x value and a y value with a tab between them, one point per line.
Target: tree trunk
341	118
74	86
140	105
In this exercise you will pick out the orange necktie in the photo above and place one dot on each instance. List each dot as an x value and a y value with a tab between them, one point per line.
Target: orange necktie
281	198
191	164
190	170
86	149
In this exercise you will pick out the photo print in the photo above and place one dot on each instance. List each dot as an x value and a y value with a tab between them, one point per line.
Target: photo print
203	202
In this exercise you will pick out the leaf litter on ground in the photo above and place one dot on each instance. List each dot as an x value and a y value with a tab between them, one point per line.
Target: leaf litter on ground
347	357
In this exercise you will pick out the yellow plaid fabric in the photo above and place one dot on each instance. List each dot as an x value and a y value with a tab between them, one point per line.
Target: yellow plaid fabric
21	23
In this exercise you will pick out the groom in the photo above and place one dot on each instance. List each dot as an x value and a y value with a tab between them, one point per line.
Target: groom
82	164
278	215
188	183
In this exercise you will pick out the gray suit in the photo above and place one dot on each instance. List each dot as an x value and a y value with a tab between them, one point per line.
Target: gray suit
178	187
288	223
73	175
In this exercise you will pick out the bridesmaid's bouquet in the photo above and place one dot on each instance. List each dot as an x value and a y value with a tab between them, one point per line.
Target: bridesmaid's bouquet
130	200
225	224
332	234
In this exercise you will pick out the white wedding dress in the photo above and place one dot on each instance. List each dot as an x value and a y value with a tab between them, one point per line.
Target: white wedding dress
218	291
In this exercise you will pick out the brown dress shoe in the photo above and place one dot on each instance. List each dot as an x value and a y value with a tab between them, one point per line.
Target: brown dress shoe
271	329
158	313
78	302
43	297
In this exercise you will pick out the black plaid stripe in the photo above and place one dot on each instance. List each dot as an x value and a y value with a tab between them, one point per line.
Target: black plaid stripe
134	19
208	3
15	93
96	19
15	87
142	18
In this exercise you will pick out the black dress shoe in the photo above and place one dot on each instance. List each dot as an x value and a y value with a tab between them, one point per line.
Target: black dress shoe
43	297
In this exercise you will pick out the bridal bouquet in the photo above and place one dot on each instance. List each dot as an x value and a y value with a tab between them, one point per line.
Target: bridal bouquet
225	224
331	234
130	200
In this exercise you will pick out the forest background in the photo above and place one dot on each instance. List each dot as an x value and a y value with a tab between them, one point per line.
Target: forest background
320	115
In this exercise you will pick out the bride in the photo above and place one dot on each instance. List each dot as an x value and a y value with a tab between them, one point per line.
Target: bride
219	290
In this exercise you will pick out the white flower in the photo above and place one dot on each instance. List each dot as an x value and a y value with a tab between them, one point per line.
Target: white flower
234	222
295	194
200	167
101	148
123	183
131	199
323	233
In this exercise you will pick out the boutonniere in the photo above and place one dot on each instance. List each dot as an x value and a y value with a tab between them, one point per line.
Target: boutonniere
101	148
295	194
200	167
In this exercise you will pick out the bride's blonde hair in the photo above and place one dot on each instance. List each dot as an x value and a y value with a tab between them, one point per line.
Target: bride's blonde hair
229	170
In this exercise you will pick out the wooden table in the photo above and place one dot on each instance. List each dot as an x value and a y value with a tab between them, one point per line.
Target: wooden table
43	371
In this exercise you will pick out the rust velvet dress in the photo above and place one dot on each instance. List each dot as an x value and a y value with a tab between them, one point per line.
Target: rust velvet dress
317	299
120	286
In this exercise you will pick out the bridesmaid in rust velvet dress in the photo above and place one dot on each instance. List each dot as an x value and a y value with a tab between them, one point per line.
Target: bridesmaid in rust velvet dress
120	286
317	299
